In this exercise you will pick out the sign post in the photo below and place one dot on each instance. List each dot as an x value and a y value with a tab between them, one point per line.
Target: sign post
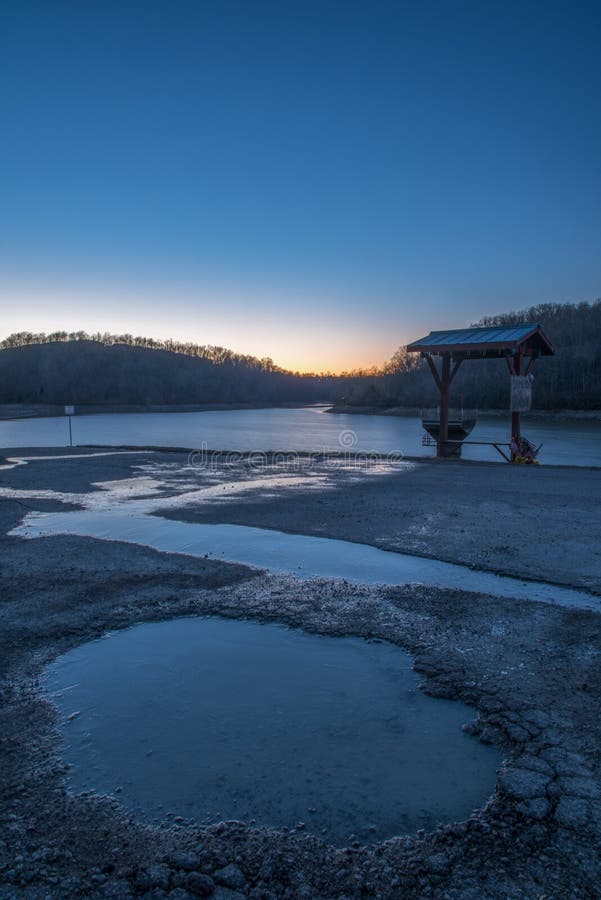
521	393
521	400
70	411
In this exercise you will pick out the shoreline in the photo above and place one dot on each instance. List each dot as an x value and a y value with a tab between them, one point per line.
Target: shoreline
284	458
16	411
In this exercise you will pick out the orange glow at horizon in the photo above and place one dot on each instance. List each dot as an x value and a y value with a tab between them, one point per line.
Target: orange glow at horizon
300	335
292	364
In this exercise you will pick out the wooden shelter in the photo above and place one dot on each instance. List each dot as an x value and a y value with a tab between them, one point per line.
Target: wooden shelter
514	343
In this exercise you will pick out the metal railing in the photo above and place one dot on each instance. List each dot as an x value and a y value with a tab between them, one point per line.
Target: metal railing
456	414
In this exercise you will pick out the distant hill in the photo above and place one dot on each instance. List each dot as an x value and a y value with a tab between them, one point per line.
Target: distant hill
88	371
124	370
187	348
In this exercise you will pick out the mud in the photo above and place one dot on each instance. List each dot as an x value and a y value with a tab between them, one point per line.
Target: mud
533	522
530	672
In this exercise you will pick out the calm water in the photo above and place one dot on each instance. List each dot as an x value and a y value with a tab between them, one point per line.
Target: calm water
215	719
564	443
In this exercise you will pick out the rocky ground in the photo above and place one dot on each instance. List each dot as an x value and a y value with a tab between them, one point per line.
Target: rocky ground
530	671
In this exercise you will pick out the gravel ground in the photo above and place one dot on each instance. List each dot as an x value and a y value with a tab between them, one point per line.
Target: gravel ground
530	671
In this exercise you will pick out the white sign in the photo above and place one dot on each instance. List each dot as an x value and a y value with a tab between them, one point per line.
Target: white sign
69	410
521	393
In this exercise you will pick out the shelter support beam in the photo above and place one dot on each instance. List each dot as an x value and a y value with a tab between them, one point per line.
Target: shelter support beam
455	369
443	381
445	384
432	368
530	365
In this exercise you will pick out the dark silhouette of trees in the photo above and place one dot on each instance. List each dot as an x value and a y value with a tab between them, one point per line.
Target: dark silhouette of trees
75	367
86	369
569	380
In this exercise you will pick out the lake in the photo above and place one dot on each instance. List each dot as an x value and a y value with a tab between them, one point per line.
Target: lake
307	429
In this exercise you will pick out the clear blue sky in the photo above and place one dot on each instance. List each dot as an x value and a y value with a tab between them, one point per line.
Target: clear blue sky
317	182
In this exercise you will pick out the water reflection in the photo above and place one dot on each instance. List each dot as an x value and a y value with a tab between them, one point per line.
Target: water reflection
217	719
564	442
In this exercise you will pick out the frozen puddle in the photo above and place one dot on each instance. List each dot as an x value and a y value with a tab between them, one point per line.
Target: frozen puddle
300	555
216	719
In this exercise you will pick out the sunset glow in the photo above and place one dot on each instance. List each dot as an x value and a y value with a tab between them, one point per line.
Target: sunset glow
314	184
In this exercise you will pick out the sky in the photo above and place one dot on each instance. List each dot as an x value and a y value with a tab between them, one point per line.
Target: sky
317	182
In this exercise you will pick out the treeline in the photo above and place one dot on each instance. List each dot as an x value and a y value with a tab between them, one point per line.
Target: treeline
218	355
569	380
91	371
77	367
211	352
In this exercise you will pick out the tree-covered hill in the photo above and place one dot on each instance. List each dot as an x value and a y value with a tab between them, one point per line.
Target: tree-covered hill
90	371
121	369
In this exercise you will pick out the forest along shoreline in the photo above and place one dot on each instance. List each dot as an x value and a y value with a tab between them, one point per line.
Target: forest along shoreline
529	671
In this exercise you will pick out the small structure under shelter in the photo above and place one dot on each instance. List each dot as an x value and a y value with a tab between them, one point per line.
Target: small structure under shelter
519	345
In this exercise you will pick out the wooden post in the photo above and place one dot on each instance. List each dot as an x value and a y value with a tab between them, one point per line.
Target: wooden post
70	411
515	416
445	384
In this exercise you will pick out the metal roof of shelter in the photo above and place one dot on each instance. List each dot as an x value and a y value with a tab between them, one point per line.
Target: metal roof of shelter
486	342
